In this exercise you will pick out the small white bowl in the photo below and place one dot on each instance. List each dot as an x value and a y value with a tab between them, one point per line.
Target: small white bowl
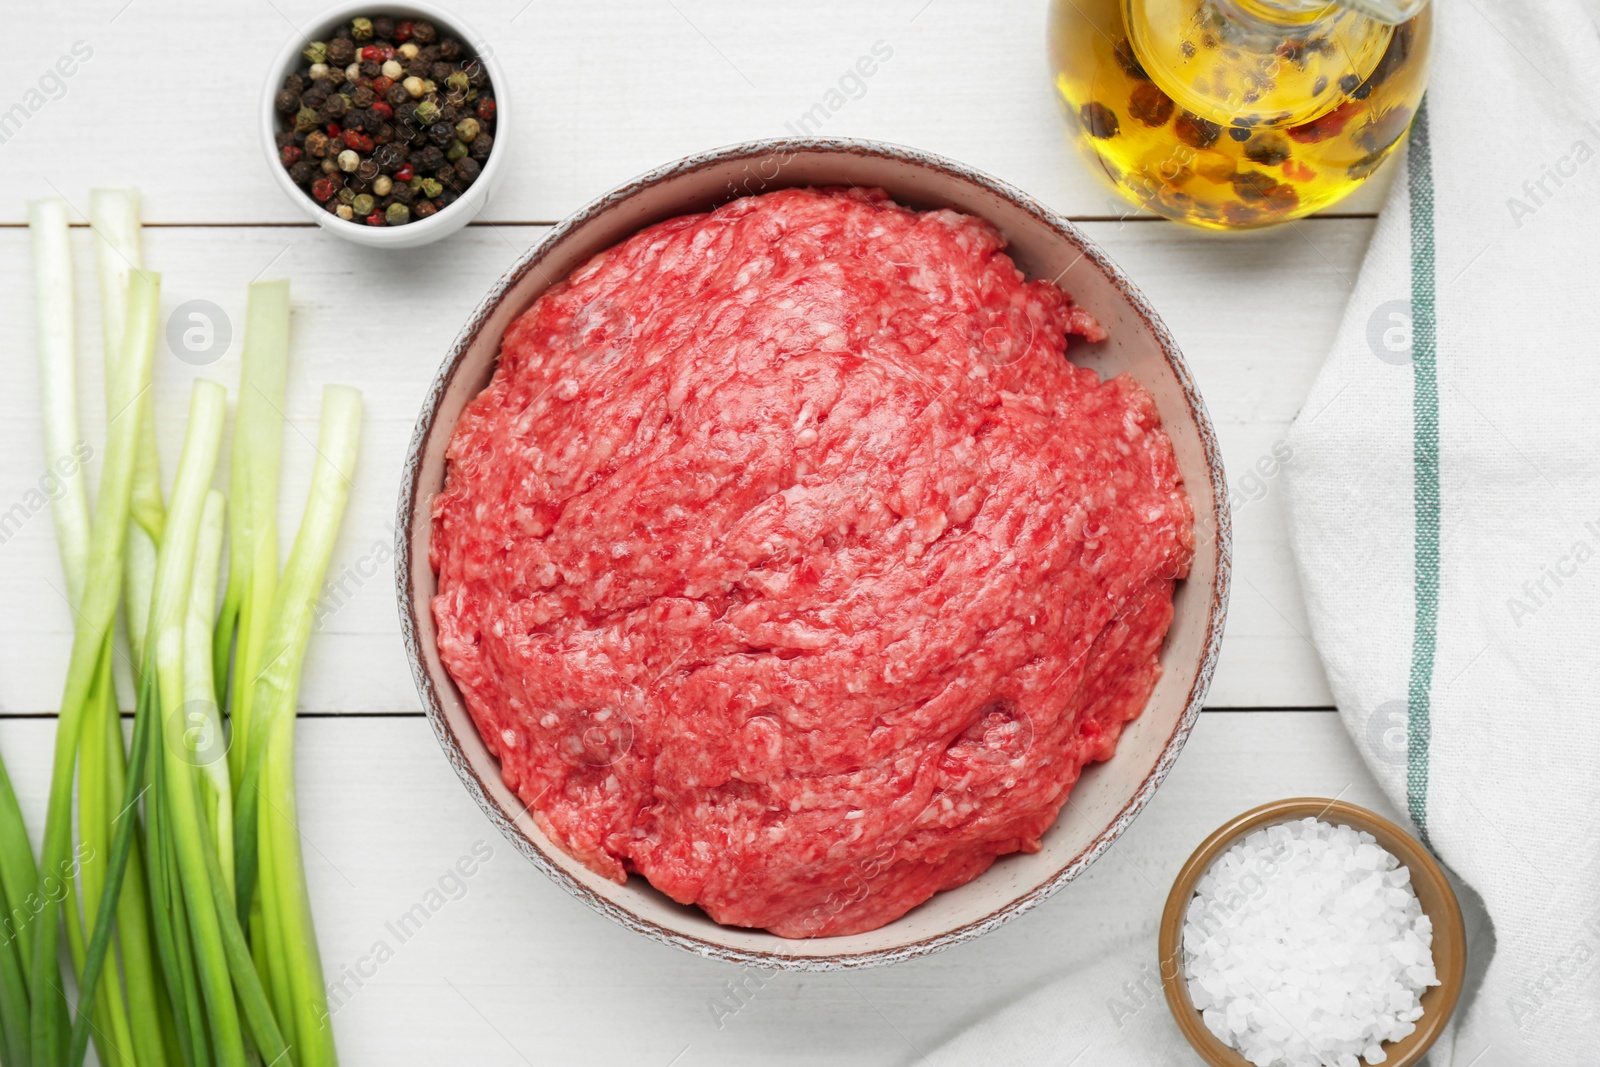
422	231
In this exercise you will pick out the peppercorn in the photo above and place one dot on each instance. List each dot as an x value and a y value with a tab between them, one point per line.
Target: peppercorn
397	96
323	189
446	198
481	146
371	68
1100	121
318	72
315	96
358	141
287	101
290	155
344	212
424	208
1267	149
347	195
341	50
457	80
330	165
397	215
361	29
447	177
402	32
467	129
382	84
283	137
305	120
468	169
374	219
449	114
428	159
1150	105
402	192
362	97
301	171
349	160
358	186
404	174
430	187
334	109
388	157
440	72
429	53
412	86
1128	60
441	133
455	100
486	109
382	110
315	52
383	26
294	83
423	32
382	184
367	170
457	150
408	51
384	133
392	69
336	76
1196	132
477	75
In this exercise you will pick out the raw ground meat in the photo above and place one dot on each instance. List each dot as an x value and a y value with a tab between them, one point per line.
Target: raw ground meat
788	562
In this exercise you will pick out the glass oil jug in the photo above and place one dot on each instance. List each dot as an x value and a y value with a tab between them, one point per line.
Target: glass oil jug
1231	114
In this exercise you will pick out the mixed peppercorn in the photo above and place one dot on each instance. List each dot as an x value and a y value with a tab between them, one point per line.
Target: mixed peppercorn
389	121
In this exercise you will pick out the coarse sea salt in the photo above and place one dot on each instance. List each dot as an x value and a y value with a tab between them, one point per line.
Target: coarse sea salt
1304	946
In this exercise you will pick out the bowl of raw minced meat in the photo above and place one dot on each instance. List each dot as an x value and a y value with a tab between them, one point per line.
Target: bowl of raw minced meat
813	553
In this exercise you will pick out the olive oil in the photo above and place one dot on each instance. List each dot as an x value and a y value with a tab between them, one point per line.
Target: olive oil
1232	114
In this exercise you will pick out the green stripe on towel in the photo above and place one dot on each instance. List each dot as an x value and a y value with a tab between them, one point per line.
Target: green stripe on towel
1425	472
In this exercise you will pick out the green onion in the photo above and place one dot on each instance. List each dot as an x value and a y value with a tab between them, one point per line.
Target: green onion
58	354
268	826
156	920
18	876
91	649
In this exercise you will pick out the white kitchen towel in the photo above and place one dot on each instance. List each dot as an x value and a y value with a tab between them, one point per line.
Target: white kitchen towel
1445	501
1445	510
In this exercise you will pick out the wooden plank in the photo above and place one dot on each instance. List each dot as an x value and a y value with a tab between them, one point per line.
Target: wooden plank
602	91
1254	354
507	969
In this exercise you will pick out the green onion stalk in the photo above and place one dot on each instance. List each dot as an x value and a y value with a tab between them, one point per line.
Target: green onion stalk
92	649
246	611
114	218
267	839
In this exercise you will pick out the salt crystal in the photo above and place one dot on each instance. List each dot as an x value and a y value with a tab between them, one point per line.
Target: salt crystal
1305	946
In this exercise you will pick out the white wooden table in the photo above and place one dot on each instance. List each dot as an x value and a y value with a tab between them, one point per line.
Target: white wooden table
514	971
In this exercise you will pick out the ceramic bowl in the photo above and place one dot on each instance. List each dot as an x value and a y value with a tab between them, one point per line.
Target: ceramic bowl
421	231
1044	245
1433	891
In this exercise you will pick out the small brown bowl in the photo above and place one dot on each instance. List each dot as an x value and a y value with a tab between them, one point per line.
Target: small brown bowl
1433	891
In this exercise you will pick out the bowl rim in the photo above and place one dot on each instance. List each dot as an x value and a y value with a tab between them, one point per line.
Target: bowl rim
1449	928
422	231
407	567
